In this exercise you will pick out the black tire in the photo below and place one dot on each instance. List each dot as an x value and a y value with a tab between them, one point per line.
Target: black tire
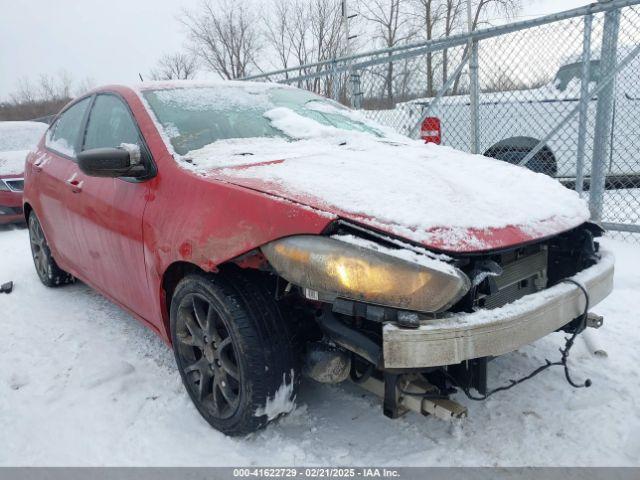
48	270
227	329
542	162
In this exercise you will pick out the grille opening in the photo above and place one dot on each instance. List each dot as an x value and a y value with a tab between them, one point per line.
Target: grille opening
510	275
15	185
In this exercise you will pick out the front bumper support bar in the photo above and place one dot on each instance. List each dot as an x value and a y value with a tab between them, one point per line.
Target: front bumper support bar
460	337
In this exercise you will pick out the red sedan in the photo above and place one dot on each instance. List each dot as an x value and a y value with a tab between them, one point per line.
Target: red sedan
16	139
263	232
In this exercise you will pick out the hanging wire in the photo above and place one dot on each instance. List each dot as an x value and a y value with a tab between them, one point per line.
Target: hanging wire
569	341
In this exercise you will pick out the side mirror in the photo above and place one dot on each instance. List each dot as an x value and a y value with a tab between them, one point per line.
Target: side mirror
123	161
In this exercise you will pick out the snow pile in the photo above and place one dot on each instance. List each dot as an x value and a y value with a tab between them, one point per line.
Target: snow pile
224	96
222	100
283	400
235	152
335	108
255	87
298	126
426	193
418	189
20	135
16	139
12	163
83	383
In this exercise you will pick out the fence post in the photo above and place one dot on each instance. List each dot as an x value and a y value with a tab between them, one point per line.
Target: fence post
474	98
335	86
356	94
474	89
584	101
604	114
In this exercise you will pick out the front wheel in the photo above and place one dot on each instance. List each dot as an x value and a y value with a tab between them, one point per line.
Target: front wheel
48	270
233	351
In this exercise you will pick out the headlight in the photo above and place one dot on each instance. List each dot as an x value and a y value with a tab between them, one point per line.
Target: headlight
358	273
4	187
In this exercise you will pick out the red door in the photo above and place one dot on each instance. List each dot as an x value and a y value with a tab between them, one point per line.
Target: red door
51	174
106	213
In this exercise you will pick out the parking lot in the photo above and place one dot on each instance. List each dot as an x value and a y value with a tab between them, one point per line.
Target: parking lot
83	383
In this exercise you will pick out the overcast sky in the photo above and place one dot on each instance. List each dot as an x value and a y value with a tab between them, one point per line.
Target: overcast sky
111	41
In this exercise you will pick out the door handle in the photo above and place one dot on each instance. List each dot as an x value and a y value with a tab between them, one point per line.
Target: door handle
38	165
75	184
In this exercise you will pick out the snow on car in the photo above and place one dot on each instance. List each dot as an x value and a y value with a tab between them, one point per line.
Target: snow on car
263	231
16	139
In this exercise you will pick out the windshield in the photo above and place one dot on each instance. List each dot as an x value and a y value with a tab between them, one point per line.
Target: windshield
198	116
20	135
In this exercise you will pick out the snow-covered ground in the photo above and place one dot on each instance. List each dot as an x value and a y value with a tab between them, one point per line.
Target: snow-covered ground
82	383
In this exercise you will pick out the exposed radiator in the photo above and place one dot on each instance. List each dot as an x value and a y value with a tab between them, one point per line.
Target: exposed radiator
520	277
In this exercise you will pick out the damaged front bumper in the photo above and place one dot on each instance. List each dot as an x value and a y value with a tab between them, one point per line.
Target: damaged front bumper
460	337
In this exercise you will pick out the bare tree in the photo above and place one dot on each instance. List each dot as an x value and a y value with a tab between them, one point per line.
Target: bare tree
84	86
481	9
175	66
45	96
451	20
392	26
302	32
225	35
326	31
55	88
428	13
443	18
325	25
25	93
302	44
48	88
278	31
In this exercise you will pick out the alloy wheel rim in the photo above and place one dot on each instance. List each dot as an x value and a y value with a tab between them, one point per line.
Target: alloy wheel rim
38	248
207	356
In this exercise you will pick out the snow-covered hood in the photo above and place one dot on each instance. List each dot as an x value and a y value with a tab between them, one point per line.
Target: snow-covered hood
12	163
438	196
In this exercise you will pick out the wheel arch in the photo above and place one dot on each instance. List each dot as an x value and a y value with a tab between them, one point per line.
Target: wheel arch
179	269
26	210
170	279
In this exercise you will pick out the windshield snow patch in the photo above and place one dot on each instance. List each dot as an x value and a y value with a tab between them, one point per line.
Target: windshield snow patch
204	99
296	126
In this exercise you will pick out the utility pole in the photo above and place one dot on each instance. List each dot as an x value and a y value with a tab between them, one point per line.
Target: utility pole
345	26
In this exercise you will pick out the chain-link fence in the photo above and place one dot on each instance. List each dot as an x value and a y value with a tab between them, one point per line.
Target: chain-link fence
559	95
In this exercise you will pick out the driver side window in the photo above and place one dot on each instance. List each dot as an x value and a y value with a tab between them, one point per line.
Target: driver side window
62	137
110	124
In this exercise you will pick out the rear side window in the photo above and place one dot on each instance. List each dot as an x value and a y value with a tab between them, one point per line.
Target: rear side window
110	124
63	136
